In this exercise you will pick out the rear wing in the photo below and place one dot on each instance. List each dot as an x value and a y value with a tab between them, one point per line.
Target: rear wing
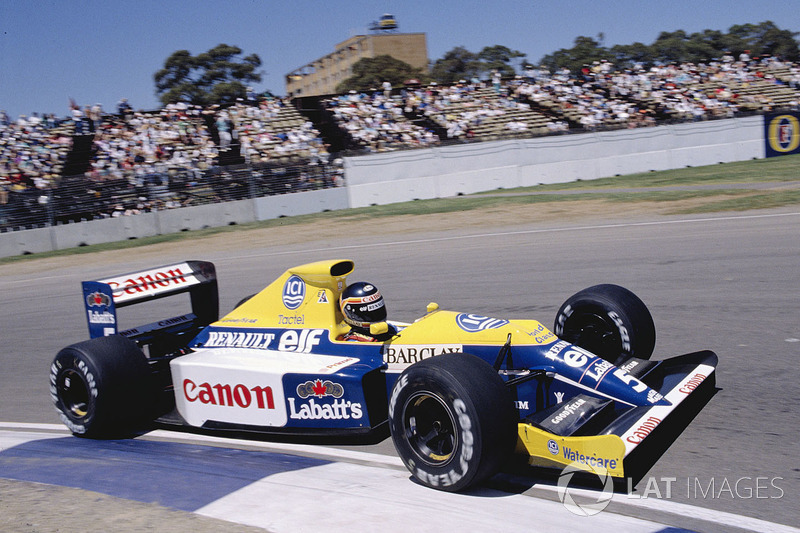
101	298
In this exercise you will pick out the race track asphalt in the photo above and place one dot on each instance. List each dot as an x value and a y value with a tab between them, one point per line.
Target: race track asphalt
726	282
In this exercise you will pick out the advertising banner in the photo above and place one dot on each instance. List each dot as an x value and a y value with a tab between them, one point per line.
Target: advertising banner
782	133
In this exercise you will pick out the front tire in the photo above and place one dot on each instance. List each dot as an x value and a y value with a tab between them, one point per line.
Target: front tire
609	321
453	421
103	387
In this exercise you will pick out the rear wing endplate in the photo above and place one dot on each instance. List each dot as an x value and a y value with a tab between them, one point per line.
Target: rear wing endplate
101	298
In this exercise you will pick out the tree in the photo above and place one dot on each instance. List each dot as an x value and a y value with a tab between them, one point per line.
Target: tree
217	76
767	39
585	52
459	63
670	47
764	38
499	58
371	72
629	55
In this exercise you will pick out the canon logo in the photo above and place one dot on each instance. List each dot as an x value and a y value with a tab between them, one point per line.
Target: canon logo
640	433
228	395
692	384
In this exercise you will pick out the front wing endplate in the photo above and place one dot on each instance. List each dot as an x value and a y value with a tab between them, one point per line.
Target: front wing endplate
600	454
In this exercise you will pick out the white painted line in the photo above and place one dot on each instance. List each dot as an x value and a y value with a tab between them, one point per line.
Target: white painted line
26	425
10	439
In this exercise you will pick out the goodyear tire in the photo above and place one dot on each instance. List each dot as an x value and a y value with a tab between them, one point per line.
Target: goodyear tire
453	421
609	321
103	387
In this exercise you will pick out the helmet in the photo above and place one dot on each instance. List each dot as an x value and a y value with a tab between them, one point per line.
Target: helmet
362	304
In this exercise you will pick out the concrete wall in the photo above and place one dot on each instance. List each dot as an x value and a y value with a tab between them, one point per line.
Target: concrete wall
170	221
466	168
437	173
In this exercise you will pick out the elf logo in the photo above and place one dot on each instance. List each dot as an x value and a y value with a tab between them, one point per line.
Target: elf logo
302	341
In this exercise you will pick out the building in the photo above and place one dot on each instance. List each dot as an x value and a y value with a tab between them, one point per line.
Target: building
323	75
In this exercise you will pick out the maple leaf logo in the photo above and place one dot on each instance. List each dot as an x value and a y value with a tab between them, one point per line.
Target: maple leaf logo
97	299
319	389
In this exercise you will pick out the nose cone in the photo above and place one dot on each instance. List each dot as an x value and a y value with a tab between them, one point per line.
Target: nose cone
597	374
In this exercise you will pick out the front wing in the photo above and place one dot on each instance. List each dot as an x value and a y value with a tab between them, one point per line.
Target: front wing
616	449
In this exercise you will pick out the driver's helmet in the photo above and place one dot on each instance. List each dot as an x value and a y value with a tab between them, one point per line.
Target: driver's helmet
362	304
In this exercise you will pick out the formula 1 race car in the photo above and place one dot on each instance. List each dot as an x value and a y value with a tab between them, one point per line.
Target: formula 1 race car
460	393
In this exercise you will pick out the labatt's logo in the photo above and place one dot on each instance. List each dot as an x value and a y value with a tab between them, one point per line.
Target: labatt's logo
315	409
101	317
338	410
100	301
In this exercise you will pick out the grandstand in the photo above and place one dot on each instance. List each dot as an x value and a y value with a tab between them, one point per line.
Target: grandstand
482	113
184	155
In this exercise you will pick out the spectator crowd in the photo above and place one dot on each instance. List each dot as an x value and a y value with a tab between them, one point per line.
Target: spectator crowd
138	160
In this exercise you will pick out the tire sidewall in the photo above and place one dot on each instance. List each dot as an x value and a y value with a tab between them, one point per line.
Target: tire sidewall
121	387
618	306
70	362
483	413
462	467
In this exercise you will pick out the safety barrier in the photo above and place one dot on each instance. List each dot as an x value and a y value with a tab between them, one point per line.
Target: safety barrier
430	173
469	168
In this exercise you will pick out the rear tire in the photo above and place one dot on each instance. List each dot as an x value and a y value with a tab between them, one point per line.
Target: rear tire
453	421
103	387
609	321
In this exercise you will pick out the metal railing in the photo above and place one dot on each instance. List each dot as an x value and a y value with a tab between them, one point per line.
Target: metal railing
79	198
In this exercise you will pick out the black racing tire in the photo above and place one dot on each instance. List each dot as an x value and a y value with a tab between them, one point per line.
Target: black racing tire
609	321
453	421
103	387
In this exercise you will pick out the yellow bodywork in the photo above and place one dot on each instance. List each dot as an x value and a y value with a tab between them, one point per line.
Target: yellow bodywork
324	282
600	454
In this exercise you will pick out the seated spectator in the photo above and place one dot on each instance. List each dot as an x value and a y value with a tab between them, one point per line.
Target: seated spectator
377	123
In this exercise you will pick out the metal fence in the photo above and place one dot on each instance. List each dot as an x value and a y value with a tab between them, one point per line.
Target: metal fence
78	198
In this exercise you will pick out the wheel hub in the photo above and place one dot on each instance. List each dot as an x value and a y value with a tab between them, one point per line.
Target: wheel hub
430	428
74	394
